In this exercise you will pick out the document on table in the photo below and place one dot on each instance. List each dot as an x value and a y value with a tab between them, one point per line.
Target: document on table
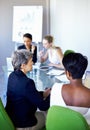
62	78
55	72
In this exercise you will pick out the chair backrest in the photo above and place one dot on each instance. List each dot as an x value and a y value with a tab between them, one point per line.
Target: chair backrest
61	118
5	121
68	51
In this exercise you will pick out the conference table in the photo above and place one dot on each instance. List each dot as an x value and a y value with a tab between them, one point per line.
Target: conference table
43	76
40	76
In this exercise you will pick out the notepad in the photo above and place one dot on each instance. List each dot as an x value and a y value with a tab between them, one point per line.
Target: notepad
55	72
62	78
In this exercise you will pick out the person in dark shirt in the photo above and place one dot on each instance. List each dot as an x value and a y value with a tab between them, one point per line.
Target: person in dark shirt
27	38
22	97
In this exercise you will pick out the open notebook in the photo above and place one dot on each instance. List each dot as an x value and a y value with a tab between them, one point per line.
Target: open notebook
64	79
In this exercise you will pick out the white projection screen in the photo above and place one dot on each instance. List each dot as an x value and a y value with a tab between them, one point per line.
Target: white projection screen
27	19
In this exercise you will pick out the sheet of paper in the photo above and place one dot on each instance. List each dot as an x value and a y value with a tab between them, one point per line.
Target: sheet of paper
55	72
62	78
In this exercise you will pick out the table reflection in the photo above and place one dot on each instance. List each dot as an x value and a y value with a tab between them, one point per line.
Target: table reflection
41	78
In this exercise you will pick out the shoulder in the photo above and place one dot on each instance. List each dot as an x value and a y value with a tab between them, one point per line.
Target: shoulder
59	51
56	48
30	86
22	47
31	81
28	83
11	76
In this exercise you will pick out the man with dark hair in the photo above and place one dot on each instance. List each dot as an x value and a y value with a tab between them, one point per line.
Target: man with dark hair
23	99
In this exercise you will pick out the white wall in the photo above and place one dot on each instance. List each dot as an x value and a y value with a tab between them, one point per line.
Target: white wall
70	25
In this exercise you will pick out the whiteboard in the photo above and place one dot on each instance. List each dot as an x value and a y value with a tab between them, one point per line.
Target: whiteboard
27	19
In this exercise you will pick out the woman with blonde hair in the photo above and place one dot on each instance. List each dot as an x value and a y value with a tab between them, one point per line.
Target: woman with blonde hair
53	54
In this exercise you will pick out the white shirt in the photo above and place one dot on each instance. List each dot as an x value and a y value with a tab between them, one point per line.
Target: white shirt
53	57
57	99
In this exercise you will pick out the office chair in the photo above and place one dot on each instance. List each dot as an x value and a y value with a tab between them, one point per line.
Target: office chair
61	118
68	51
5	121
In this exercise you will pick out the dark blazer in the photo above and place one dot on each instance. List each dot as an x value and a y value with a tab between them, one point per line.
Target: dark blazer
23	100
34	54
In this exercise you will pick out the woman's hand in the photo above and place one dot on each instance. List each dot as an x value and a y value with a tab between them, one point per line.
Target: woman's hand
33	48
41	53
46	93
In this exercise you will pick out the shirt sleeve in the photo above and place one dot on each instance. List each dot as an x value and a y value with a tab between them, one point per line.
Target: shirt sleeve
35	97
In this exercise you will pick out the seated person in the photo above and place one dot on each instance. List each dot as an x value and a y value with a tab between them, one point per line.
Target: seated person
22	97
53	54
74	94
27	38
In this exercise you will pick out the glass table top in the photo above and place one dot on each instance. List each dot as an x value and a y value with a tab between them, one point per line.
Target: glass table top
40	76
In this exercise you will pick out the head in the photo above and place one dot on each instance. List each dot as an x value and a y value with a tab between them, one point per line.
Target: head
22	59
75	64
27	38
48	41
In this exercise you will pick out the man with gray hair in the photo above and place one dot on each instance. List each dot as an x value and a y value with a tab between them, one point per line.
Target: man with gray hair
22	96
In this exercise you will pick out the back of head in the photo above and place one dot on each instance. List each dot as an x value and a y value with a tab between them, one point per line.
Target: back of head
28	35
20	57
76	64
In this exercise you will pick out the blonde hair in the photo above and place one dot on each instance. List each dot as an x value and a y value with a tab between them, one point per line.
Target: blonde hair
56	47
49	38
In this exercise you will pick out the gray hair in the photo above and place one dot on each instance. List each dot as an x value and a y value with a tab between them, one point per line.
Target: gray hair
20	57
